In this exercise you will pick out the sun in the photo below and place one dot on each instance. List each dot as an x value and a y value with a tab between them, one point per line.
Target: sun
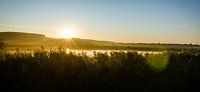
68	33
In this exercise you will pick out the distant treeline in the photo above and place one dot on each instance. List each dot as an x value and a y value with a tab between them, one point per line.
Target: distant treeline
13	40
125	72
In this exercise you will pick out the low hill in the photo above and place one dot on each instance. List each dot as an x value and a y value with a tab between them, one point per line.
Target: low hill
19	39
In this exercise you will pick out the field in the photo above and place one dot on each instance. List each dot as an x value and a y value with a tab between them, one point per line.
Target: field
57	71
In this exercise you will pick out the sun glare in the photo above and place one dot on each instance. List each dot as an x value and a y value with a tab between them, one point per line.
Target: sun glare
68	33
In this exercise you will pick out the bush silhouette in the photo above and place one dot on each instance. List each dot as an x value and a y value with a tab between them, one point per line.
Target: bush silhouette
118	71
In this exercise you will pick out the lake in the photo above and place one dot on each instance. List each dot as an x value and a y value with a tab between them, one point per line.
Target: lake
90	53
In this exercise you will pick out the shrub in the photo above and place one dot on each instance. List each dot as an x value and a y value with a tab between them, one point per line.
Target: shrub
118	71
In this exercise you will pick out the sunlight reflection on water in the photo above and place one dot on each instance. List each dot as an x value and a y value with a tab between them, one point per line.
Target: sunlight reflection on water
90	53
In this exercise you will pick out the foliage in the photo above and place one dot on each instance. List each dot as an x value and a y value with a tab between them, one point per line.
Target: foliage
2	45
56	71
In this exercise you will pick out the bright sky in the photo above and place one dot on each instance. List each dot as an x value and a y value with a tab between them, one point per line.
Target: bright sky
164	21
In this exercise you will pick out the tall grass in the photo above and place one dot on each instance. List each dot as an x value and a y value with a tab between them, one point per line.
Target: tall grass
56	71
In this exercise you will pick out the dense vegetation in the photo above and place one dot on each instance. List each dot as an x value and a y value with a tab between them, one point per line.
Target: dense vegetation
60	71
2	45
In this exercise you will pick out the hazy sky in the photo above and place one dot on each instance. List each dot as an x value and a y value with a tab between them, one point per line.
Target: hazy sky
176	21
